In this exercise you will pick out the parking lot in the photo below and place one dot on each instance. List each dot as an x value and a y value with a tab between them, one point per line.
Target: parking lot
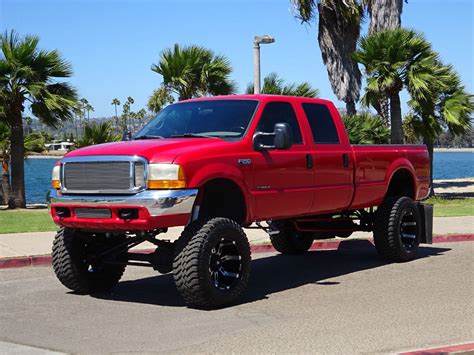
340	301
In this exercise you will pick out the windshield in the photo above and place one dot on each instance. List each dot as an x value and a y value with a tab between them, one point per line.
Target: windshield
213	118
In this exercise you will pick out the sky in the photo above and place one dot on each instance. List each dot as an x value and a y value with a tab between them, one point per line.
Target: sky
112	44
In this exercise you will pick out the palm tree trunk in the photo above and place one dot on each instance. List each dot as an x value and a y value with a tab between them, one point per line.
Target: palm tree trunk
396	129
384	14
430	145
5	180
351	108
17	198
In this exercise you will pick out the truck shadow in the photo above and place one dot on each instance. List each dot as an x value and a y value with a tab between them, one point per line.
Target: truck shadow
270	274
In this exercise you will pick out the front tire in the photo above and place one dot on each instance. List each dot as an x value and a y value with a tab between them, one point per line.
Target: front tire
288	240
397	229
72	266
211	265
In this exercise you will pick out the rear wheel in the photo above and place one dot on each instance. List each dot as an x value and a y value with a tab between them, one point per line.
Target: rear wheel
75	264
397	229
211	265
288	240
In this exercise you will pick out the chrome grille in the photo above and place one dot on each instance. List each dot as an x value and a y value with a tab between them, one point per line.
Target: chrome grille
104	175
92	213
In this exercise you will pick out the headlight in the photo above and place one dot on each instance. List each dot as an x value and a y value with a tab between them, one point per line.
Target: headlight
165	176
55	177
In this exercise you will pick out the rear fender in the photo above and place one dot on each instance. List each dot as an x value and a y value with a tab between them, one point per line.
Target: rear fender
397	165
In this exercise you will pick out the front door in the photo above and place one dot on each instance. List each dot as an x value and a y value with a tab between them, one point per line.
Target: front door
283	179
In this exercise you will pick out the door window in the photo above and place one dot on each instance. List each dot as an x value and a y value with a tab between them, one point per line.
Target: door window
279	112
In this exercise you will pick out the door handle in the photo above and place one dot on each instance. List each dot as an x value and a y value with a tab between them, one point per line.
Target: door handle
345	160
309	161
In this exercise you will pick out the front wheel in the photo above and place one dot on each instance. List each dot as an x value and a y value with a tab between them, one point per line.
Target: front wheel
397	229
211	264
74	265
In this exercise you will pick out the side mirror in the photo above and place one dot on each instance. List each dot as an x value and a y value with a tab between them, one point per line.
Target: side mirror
282	138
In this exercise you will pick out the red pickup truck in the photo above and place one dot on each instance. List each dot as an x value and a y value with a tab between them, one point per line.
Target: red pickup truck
219	165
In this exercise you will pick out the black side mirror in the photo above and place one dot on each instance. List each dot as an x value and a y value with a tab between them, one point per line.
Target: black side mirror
283	138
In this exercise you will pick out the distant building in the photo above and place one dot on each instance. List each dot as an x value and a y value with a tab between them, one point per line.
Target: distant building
60	146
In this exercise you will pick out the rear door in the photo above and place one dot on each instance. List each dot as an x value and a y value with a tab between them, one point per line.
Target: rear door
282	178
332	159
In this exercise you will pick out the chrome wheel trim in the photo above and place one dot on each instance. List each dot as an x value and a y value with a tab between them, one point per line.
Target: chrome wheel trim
408	229
225	264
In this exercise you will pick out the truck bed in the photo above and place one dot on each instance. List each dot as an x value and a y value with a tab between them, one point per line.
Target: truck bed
376	164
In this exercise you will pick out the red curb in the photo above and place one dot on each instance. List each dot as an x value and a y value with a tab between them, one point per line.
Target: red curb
442	350
449	238
45	260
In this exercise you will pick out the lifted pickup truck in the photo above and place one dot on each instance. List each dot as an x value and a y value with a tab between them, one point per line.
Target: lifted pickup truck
219	165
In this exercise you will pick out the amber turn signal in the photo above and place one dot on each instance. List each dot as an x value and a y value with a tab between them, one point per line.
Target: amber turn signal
166	184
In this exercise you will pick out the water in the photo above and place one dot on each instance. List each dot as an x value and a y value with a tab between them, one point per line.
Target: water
453	165
38	179
447	165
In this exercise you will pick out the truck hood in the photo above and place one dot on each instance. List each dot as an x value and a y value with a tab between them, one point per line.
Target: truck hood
154	150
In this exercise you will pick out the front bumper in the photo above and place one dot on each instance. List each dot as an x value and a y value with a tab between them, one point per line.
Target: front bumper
156	209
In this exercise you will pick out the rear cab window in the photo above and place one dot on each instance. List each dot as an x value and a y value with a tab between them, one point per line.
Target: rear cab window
321	122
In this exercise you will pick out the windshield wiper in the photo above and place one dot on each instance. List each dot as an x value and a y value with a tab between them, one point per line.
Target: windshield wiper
148	136
191	135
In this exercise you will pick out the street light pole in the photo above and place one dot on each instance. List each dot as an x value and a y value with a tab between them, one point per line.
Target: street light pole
266	39
256	67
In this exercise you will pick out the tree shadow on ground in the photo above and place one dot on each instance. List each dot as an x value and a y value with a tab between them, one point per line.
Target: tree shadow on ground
270	274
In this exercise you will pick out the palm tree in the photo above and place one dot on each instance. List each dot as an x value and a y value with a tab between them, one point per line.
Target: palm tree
116	102
365	128
194	71
34	142
338	31
273	84
26	77
89	108
98	133
393	60
5	159
159	98
140	115
447	105
83	103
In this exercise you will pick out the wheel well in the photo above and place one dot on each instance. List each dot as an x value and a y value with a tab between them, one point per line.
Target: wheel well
222	198
401	184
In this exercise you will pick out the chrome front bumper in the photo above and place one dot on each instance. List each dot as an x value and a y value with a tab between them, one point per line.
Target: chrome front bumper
157	202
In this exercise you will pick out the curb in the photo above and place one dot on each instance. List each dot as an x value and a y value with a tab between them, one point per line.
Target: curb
458	349
45	260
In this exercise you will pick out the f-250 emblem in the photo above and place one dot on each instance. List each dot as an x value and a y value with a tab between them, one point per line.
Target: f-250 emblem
244	161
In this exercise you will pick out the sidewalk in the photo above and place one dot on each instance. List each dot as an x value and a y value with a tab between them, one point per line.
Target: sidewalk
39	243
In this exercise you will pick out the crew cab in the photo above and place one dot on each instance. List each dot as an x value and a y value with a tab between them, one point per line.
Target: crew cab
220	165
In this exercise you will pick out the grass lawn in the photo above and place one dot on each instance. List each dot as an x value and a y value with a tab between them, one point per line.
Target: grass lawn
452	207
31	220
18	221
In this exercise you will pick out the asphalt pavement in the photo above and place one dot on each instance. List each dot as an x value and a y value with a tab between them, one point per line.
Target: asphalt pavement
340	301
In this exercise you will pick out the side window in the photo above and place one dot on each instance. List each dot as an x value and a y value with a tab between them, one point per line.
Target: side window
321	123
279	112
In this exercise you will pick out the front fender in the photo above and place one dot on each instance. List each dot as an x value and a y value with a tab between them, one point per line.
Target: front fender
214	171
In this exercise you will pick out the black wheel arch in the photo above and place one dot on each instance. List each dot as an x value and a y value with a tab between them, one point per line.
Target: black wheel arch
402	184
222	197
